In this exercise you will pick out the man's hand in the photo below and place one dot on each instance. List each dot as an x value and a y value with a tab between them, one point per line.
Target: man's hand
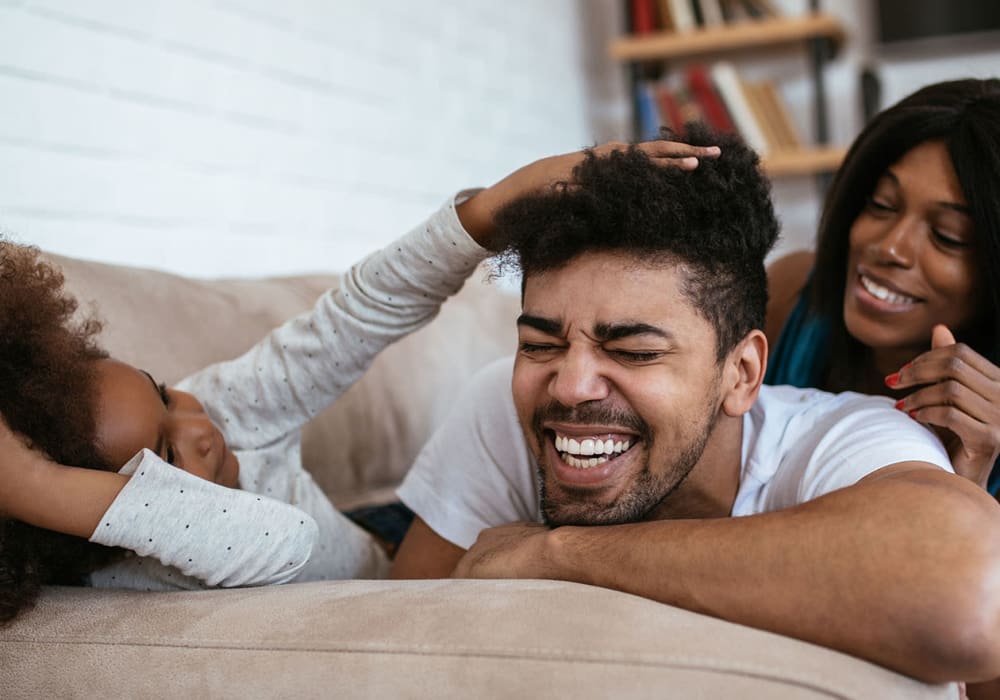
518	550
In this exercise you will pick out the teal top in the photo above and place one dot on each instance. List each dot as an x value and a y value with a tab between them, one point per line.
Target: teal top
802	356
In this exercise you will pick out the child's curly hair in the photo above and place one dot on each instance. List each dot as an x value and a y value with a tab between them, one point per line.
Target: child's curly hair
47	379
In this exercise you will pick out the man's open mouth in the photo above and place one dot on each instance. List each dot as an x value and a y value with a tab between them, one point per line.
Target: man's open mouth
588	452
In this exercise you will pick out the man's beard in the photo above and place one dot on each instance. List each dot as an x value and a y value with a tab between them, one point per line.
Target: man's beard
647	490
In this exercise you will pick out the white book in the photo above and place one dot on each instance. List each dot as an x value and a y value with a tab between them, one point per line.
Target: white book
711	12
683	15
728	82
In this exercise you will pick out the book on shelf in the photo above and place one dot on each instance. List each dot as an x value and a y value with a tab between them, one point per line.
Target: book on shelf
682	15
776	114
755	100
743	10
665	19
719	97
642	16
711	13
647	111
648	16
729	84
707	95
673	114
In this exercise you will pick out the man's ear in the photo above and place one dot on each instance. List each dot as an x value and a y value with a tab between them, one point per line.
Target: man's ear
744	373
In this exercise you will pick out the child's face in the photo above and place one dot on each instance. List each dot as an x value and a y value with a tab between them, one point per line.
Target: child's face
134	412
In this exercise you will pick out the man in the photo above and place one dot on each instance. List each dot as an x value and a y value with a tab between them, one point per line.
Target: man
637	405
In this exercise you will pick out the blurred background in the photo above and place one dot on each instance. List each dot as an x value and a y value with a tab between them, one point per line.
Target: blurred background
233	138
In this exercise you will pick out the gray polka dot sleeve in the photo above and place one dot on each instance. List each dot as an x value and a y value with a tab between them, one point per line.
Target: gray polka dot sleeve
231	537
301	367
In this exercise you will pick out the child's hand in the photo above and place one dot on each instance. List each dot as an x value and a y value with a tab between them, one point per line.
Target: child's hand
19	464
476	214
41	492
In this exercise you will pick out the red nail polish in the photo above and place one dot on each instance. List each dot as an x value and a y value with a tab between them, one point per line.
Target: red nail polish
892	380
905	366
912	414
899	404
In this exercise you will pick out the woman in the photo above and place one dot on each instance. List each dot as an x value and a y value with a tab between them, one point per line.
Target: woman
213	491
907	261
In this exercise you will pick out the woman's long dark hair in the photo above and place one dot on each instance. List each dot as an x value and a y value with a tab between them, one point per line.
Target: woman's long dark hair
47	380
965	115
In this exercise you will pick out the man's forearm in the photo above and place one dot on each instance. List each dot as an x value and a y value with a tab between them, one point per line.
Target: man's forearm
897	570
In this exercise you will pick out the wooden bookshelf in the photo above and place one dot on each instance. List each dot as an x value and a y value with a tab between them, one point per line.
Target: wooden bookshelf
804	161
795	32
727	38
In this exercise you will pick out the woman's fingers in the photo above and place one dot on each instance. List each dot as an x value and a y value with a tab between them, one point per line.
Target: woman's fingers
971	444
970	424
957	391
952	395
959	362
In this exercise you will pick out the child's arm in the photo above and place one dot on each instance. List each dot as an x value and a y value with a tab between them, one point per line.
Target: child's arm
224	537
221	536
48	495
303	366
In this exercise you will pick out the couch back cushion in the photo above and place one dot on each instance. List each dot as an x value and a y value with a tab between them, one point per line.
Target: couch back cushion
359	449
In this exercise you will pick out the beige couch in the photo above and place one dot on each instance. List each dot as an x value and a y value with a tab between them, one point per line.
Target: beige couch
380	639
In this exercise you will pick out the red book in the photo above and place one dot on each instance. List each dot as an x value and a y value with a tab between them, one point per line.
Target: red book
643	16
703	90
670	110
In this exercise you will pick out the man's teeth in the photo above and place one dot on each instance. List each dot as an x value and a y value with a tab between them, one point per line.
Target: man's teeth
887	295
571	450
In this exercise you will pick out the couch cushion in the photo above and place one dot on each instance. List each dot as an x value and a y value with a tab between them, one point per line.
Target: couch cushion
397	639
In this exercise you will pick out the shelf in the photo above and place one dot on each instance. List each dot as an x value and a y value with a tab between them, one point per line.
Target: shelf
729	37
806	161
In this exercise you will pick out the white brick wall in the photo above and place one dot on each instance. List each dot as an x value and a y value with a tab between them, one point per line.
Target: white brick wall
243	137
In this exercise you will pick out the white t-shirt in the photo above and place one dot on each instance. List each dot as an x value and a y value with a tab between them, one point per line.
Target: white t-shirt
798	444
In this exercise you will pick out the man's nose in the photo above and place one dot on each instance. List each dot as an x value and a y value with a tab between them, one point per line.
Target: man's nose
578	378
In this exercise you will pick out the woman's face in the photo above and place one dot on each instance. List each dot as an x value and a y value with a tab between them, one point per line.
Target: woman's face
136	413
911	259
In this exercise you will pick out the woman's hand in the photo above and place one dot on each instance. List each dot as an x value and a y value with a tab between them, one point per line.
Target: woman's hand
959	398
476	214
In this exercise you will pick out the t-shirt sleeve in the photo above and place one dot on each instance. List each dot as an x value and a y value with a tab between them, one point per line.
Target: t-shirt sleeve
301	367
860	436
220	536
476	471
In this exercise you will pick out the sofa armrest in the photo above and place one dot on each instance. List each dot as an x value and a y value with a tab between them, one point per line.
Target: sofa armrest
441	639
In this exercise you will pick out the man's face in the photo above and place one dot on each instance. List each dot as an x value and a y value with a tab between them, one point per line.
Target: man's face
616	386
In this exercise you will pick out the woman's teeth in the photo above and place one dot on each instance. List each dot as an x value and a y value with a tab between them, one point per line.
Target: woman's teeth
885	294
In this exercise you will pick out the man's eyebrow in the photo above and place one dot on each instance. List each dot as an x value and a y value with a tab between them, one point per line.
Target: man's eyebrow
616	331
545	325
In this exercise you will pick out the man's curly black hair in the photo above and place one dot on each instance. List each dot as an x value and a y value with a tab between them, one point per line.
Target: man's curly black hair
47	394
716	221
